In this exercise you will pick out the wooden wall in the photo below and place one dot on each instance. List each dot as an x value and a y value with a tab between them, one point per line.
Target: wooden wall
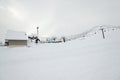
17	42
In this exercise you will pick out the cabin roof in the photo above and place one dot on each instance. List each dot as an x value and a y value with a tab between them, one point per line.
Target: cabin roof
15	35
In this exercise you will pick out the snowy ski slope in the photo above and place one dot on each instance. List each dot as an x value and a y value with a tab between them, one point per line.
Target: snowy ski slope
93	58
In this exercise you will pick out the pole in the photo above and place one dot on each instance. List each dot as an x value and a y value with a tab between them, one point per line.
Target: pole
103	33
37	31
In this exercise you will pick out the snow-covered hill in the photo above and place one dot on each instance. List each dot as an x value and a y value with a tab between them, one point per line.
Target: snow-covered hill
93	58
93	31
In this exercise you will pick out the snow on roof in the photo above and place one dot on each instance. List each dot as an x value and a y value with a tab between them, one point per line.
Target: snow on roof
16	35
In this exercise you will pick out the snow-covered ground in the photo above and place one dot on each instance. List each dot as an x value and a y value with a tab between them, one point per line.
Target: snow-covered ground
93	58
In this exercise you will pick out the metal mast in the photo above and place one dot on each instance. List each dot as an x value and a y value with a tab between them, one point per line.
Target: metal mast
37	31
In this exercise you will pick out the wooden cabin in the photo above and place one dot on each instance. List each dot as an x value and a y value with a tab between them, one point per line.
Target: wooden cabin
15	38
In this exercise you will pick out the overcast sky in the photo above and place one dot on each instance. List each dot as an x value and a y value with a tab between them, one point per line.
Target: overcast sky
57	17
